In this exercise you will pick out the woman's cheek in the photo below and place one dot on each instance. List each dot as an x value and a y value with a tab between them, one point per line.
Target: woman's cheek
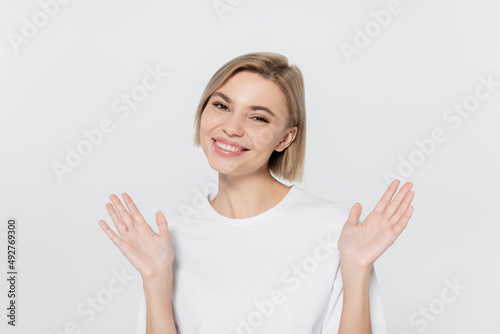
261	139
208	121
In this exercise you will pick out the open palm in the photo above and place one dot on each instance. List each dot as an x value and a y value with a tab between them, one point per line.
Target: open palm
362	244
150	253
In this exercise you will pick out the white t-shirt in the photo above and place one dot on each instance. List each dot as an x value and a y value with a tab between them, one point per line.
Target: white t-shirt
277	272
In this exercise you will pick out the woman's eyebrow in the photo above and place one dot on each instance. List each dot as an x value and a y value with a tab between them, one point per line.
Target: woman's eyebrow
228	100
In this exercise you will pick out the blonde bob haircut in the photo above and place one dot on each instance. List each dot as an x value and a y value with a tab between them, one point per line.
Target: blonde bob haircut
289	163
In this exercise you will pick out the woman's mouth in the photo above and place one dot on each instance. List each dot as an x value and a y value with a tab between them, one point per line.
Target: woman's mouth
228	147
227	150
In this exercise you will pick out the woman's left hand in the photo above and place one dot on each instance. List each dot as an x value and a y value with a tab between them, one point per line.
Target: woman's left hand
360	245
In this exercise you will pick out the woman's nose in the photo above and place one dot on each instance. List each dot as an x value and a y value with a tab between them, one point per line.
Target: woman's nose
234	125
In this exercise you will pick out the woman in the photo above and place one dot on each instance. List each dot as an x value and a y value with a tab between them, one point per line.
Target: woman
260	256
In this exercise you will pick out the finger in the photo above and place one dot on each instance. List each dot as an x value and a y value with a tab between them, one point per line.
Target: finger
111	234
120	226
124	215
393	207
138	218
354	214
386	198
403	221
404	205
161	221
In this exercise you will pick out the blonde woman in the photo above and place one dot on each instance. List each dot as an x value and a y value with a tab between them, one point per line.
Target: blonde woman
259	256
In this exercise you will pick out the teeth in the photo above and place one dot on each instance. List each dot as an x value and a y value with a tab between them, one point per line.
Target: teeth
227	147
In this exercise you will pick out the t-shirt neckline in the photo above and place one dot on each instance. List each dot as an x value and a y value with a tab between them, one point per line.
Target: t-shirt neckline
245	222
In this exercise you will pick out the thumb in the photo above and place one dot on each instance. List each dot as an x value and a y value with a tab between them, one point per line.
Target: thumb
354	214
161	221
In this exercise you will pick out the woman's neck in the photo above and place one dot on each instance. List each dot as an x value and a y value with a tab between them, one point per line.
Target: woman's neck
245	197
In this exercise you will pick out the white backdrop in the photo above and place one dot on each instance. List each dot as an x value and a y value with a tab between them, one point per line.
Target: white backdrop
407	89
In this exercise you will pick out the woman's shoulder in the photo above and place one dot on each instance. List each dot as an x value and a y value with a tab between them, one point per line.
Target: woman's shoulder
310	199
319	215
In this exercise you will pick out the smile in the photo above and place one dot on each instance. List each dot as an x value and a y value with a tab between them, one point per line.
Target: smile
228	147
227	150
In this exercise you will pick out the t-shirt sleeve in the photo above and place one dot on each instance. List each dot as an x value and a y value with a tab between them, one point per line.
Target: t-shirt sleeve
140	325
377	316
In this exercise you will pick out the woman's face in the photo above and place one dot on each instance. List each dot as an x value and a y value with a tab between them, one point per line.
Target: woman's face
250	112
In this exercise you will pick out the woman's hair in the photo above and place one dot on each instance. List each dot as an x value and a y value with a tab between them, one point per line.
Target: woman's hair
289	163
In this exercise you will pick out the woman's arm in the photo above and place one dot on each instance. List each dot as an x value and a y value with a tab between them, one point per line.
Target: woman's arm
361	244
355	318
151	254
159	314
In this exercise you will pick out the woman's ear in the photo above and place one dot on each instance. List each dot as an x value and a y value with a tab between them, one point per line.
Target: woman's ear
287	139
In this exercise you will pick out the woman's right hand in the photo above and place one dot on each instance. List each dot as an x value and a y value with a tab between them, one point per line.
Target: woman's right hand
150	253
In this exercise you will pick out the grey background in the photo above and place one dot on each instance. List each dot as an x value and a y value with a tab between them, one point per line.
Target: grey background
363	116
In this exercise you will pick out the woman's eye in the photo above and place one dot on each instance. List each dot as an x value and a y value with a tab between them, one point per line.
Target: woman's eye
221	106
217	105
260	119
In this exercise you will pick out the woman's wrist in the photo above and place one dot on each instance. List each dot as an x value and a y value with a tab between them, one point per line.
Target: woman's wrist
354	261
354	273
162	280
